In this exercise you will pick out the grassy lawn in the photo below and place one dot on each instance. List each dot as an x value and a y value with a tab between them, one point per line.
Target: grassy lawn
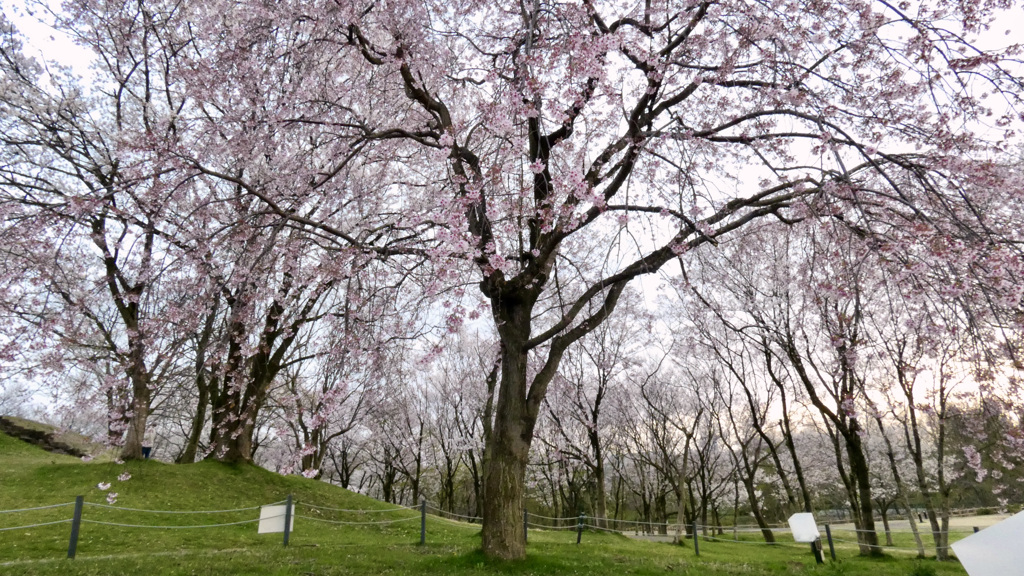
323	542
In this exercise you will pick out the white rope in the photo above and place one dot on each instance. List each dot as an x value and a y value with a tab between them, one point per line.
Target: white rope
358	523
35	525
881	547
760	542
445	513
455	522
639	522
175	511
36	508
531	514
602	529
543	527
908	531
357	511
168	527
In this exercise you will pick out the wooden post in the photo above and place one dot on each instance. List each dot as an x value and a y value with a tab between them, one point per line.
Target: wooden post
696	541
525	516
76	525
423	520
287	519
579	529
816	550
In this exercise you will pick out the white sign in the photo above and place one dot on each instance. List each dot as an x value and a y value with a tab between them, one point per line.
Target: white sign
996	550
804	528
272	519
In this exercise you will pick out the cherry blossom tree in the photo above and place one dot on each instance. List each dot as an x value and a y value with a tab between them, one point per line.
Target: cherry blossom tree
553	153
539	129
100	282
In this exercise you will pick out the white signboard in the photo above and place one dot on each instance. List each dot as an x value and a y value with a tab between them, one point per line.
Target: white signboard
996	550
272	519
804	528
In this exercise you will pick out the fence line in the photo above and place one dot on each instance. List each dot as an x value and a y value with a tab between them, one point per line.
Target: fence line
451	521
37	508
567	518
569	523
755	542
452	514
36	525
354	510
97	505
885	547
178	527
545	527
373	523
924	530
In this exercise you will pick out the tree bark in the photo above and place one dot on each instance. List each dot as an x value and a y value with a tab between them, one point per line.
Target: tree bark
132	449
508	445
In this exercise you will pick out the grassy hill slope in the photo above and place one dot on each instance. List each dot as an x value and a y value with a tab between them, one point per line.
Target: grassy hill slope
328	538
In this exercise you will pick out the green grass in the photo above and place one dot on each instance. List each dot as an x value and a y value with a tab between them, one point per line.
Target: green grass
30	477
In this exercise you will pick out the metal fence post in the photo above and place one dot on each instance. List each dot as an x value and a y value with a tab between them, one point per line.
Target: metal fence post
831	547
76	524
287	519
423	520
579	529
696	541
525	517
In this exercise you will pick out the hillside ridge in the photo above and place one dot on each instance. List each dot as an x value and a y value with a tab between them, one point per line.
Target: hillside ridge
38	434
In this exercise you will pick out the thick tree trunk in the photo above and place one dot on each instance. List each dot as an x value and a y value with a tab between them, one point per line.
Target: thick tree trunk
681	525
132	449
508	448
503	501
868	536
505	463
232	440
515	415
141	399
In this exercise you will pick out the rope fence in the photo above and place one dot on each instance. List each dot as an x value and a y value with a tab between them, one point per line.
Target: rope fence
109	507
36	525
171	527
107	515
344	523
62	505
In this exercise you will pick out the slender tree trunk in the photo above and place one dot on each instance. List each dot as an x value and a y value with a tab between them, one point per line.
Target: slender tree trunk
912	519
191	449
203	385
755	509
884	511
600	504
787	431
901	490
